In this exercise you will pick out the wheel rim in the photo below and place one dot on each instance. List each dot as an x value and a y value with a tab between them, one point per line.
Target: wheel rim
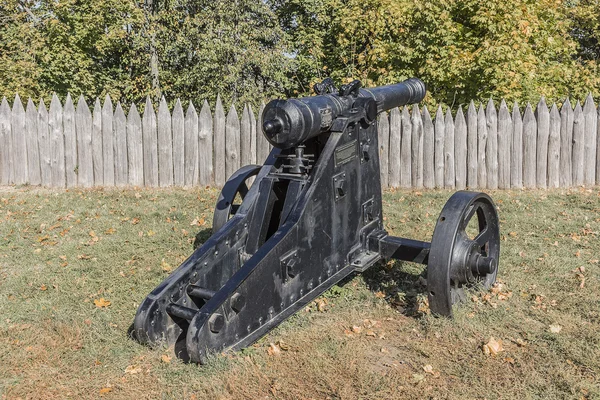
457	259
236	185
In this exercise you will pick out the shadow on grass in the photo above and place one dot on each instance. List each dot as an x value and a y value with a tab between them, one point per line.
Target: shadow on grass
402	284
202	237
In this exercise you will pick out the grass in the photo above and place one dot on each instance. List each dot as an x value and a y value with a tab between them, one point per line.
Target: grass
61	251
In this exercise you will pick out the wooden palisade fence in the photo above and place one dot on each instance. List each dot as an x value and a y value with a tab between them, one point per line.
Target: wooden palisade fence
70	146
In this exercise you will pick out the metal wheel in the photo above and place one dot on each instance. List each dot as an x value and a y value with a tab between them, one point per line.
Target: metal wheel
236	185
462	255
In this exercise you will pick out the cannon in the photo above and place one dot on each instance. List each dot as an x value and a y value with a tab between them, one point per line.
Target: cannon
286	231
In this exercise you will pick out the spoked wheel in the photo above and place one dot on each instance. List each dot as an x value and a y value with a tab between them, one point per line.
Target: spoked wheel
462	255
236	185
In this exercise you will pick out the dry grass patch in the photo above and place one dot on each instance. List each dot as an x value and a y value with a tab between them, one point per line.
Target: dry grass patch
74	266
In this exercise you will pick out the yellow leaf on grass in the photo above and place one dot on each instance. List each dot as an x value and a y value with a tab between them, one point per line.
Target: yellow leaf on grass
101	302
43	287
166	359
110	231
166	266
132	369
492	347
105	390
555	328
273	350
151	233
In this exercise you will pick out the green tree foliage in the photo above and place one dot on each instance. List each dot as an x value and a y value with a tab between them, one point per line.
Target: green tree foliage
250	50
179	48
463	49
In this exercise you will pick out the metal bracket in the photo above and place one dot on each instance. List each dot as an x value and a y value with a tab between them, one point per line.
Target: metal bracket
340	186
289	265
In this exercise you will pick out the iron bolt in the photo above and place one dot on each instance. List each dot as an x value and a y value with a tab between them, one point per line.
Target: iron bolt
216	323
237	302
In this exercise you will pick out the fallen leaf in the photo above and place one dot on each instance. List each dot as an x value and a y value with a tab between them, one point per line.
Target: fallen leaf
492	347
166	358
428	368
105	390
83	257
321	303
555	328
370	333
273	350
151	233
110	231
43	287
356	329
101	303
165	266
132	369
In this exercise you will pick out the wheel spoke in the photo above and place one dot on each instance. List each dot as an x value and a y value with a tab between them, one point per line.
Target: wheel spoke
483	237
472	211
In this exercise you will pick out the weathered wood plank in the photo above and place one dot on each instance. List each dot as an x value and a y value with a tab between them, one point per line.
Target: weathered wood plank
482	139
191	146
449	165
165	145
395	147
205	146
263	147
70	132
598	148
150	145
554	148
428	150
543	133
516	162
44	145
83	124
566	144
97	145
120	146
417	148
57	143
383	136
178	127
440	134
21	174
529	147
590	118
406	150
492	145
6	152
578	146
135	150
232	142
472	146
33	151
219	144
245	138
460	149
108	143
252	135
504	143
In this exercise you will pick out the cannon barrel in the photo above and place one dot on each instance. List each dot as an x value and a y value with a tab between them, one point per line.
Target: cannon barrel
288	123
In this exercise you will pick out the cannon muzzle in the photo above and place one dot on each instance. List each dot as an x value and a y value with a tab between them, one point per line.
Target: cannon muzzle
288	123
